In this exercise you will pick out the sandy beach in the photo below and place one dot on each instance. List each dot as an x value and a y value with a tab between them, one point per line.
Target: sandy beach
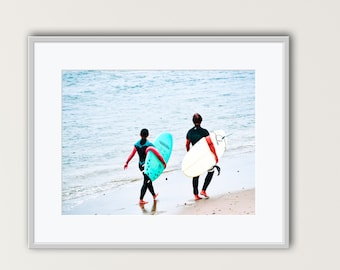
231	203
230	193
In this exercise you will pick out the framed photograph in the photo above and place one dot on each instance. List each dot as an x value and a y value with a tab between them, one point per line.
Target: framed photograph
158	142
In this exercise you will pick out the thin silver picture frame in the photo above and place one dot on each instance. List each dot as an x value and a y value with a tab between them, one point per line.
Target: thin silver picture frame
41	235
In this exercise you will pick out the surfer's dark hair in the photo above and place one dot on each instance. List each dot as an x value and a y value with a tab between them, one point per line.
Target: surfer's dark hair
144	133
197	118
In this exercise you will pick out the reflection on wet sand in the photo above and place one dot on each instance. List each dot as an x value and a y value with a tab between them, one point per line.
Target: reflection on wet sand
153	209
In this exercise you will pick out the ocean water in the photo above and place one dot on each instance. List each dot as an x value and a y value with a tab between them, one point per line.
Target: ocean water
103	112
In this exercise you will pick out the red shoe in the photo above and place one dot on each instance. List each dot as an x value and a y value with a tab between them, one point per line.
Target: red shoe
197	198
155	196
142	202
204	193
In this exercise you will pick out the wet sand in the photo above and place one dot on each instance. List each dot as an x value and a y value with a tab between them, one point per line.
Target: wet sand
230	193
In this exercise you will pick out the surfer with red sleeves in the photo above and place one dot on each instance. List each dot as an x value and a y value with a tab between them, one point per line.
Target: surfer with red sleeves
193	136
142	146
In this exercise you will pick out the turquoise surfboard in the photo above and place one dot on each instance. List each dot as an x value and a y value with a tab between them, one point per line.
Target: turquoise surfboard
153	166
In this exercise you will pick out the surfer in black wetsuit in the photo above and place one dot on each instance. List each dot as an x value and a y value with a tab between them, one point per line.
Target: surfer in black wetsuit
140	147
193	136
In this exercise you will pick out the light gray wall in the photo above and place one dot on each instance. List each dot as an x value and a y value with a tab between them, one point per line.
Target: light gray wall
313	27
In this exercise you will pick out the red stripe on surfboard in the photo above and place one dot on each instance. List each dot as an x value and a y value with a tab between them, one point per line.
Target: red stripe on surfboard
212	147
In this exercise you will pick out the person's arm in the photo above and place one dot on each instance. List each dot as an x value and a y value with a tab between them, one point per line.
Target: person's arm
187	145
158	155
133	152
212	147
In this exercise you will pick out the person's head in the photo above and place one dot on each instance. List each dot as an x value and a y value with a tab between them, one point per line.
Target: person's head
197	119
144	133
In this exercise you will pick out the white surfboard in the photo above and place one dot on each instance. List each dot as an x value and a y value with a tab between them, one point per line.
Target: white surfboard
204	154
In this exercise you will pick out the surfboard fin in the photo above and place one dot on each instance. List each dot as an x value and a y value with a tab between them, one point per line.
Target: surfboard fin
218	169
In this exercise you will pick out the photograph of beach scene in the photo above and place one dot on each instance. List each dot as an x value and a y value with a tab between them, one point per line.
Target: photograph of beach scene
103	112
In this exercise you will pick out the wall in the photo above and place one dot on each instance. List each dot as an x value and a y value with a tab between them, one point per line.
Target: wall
314	125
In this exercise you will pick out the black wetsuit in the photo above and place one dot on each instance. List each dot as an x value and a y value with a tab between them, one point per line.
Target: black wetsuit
147	184
194	135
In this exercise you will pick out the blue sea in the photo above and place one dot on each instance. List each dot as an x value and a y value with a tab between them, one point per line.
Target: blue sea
103	112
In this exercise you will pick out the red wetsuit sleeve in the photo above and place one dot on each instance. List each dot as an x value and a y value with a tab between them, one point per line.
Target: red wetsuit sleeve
212	147
133	152
158	155
187	145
